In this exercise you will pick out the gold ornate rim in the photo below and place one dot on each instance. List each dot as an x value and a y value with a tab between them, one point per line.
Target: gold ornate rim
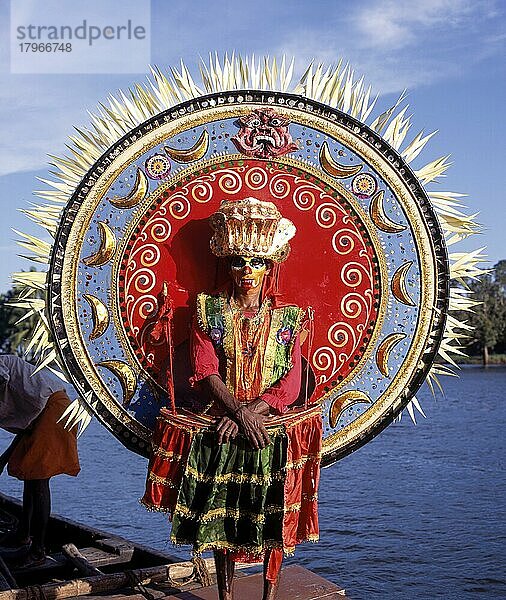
136	146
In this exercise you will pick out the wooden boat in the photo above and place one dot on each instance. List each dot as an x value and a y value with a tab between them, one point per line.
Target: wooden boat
84	561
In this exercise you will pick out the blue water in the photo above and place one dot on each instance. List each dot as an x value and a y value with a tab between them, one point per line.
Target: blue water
417	513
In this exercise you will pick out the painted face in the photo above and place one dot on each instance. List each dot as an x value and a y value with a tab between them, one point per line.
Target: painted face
248	272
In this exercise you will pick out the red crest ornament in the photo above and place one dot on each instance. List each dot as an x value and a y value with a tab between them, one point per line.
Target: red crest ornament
263	133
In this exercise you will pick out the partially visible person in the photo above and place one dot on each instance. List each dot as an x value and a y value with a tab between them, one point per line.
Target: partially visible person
30	406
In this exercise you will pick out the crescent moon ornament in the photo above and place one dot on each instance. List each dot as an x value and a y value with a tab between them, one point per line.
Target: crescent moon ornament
379	218
100	316
126	376
334	168
196	152
137	193
398	285
344	401
106	249
384	350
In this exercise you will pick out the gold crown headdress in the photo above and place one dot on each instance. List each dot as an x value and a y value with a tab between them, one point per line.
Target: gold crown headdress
251	227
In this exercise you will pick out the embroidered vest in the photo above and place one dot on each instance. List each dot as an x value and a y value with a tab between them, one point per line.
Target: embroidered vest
214	317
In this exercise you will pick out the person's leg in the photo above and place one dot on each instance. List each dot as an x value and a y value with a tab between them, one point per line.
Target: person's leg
272	569
23	531
225	567
40	499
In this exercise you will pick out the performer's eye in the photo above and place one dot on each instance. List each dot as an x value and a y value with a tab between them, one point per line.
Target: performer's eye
275	122
239	262
257	263
254	123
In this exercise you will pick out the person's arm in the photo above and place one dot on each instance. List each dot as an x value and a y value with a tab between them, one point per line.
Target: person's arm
284	392
4	458
251	423
206	372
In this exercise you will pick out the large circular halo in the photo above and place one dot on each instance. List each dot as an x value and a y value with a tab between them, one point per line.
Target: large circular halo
368	259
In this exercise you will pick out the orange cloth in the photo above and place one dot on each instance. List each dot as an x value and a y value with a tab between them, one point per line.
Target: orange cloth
47	448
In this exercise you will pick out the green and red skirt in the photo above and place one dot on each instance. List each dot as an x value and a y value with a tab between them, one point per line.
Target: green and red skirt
231	496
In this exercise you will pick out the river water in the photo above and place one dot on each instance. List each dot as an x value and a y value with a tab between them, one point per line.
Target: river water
417	513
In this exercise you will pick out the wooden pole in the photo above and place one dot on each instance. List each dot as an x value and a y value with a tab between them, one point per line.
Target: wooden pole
7	580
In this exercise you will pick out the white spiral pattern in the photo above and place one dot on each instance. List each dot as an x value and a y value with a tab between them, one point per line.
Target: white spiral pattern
229	181
148	255
331	215
179	206
340	334
326	215
146	306
324	358
304	197
353	273
279	186
143	281
256	178
344	241
201	191
160	230
352	305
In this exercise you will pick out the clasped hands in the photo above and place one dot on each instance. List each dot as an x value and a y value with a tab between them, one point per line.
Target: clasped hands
249	420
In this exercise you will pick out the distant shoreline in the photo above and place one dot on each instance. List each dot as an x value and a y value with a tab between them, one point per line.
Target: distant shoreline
493	359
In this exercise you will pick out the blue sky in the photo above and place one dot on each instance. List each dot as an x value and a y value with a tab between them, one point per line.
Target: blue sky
449	54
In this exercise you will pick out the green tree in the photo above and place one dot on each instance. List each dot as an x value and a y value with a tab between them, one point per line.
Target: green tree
500	275
15	331
9	331
489	317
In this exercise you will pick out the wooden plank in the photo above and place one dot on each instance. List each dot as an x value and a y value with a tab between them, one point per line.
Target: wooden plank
296	583
101	558
62	530
80	562
118	546
95	556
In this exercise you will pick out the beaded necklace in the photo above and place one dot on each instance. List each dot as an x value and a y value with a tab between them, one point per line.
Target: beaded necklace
250	338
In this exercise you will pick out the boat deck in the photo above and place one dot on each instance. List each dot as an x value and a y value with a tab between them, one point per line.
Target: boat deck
84	562
297	583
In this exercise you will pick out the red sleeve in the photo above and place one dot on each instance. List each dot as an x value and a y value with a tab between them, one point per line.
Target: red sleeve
284	392
203	355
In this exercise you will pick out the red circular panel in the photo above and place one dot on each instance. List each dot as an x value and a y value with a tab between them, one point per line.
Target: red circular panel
332	267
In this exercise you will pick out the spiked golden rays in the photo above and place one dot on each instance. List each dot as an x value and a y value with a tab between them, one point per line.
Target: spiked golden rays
336	86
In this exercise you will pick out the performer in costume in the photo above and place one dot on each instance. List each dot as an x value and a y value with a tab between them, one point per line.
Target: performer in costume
245	487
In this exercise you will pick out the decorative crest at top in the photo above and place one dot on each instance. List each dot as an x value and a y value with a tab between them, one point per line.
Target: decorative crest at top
263	133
